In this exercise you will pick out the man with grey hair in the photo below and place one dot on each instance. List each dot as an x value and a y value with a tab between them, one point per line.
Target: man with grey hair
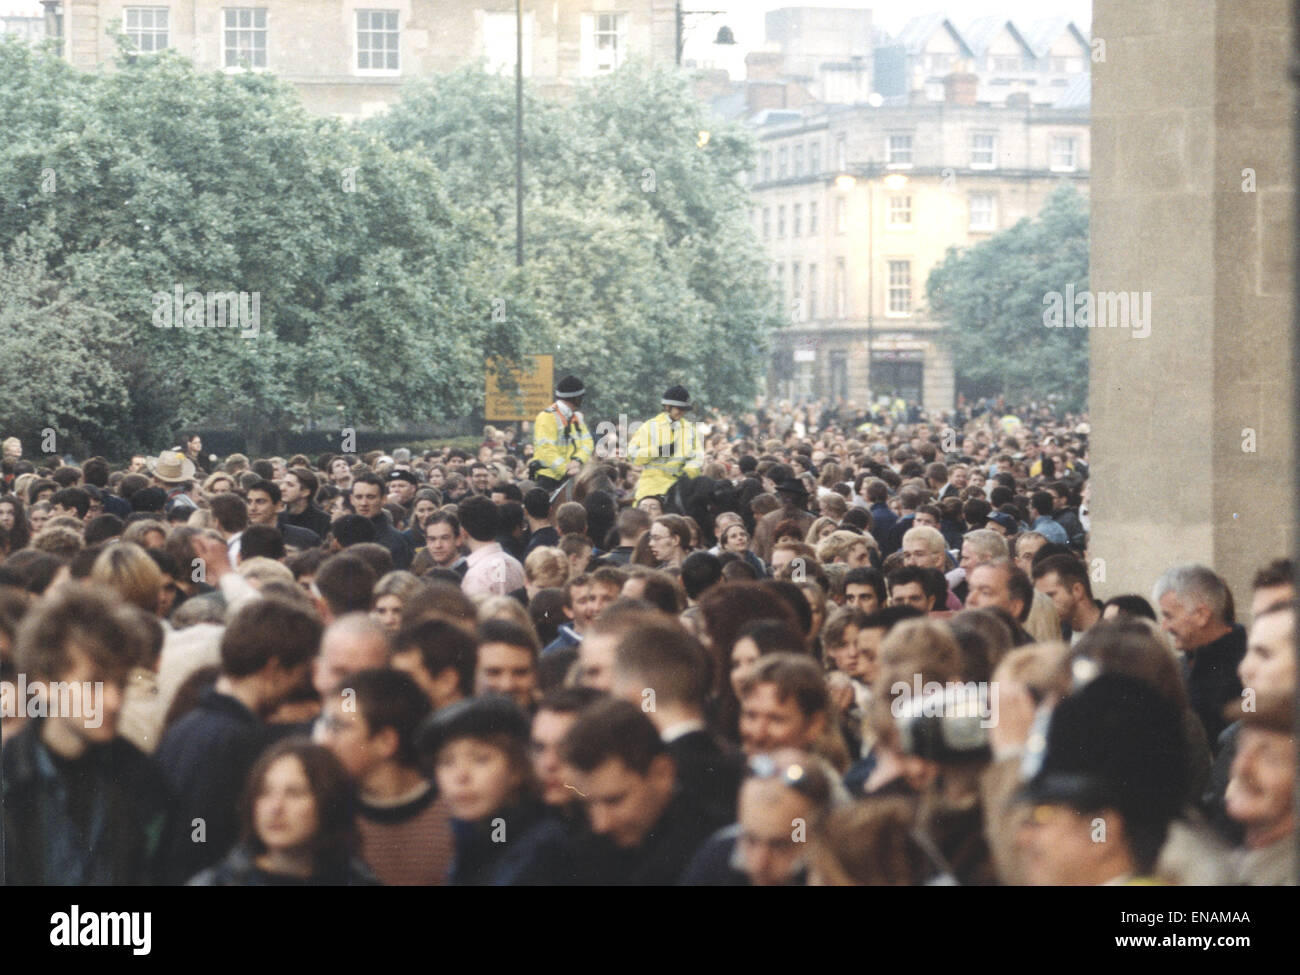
977	547
1193	604
352	643
923	547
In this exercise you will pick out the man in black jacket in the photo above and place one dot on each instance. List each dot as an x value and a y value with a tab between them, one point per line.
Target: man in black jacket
298	492
367	498
1193	604
663	670
264	508
81	805
643	831
266	652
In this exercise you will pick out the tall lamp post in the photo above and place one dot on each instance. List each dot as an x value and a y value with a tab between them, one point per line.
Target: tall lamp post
519	133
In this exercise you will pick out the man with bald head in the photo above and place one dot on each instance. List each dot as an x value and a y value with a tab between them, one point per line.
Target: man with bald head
977	547
351	643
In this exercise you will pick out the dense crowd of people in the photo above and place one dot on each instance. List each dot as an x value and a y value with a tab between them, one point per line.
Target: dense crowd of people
809	644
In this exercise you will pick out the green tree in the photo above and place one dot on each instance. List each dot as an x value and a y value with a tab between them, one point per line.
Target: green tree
641	267
992	298
153	176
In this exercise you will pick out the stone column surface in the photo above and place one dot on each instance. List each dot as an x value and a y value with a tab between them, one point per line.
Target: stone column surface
1192	183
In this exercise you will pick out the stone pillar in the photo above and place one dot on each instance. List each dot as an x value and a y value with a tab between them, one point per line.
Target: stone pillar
1192	185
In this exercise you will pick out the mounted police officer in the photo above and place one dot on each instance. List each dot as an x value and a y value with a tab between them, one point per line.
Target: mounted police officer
561	440
667	447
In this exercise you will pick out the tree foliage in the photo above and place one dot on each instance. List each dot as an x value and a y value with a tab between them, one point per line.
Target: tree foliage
991	297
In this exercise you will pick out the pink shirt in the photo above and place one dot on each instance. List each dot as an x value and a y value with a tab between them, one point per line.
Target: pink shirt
492	572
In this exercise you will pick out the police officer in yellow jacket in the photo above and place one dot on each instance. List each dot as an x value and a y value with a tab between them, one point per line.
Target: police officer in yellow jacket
667	448
561	441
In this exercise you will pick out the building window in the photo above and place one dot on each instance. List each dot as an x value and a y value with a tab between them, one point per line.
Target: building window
812	292
841	294
983	150
841	215
782	162
813	219
899	150
146	28
780	221
780	281
939	63
815	157
796	219
797	159
604	43
983	216
900	287
767	221
244	37
767	165
900	211
842	151
377	40
501	45
796	293
1063	154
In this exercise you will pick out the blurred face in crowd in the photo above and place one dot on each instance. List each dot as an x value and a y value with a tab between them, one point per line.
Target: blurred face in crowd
284	813
507	670
94	722
1059	847
916	552
424	509
858	556
291	490
401	491
622	804
346	733
1269	664
926	520
1263	598
768	723
862	596
664	544
744	654
549	729
970	558
480	478
845	653
195	446
596	661
578	560
7	515
261	509
344	651
1260	793
1183	618
736	539
221	486
339	471
988	588
651	506
37	518
769	853
868	647
1064	597
781	558
388	612
441	542
959	476
911	594
1026	548
475	777
436	478
367	499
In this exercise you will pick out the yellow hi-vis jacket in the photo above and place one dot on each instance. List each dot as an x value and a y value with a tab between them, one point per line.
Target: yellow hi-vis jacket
555	443
665	450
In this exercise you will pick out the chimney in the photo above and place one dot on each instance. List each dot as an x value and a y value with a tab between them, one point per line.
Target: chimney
960	89
764	65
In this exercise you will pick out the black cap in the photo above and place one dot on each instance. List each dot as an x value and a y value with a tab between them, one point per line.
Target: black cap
792	485
1115	742
570	387
475	717
402	474
677	396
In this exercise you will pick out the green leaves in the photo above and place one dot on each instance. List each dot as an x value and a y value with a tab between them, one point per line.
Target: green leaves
992	296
